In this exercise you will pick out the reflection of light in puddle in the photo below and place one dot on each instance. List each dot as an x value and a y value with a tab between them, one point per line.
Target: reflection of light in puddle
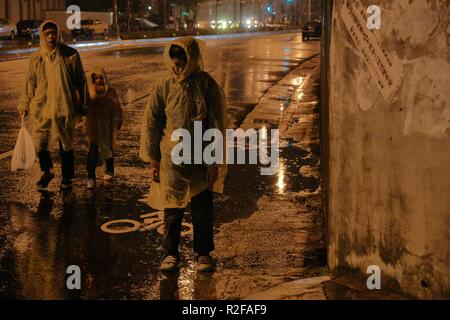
263	133
280	183
186	282
299	81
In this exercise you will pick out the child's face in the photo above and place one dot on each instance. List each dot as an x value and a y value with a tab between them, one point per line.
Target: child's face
99	82
179	65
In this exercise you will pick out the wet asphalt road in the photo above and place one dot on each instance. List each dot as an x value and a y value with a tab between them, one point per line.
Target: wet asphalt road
41	234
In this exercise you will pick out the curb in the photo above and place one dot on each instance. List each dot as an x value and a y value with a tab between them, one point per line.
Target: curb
275	108
303	289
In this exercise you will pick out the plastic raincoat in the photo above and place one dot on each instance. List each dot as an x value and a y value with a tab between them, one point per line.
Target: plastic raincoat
103	117
177	103
54	93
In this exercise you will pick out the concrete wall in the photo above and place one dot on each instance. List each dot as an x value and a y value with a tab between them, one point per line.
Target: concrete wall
389	163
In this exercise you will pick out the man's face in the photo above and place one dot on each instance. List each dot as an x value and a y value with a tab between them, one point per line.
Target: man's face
179	65
51	36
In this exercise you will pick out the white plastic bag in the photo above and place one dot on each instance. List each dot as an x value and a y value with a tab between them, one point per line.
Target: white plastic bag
24	153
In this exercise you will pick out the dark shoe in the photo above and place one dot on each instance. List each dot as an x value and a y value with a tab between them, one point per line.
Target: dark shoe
170	263
66	185
45	179
205	264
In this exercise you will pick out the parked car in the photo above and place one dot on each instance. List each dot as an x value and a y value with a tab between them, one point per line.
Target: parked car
86	30
28	29
312	29
90	28
98	26
7	29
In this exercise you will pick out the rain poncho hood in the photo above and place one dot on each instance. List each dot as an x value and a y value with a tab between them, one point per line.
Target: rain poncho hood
54	93
91	85
191	47
175	103
103	117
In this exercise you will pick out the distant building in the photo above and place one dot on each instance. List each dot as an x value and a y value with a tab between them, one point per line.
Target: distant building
16	10
264	11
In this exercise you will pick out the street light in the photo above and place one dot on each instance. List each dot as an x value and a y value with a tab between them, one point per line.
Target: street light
149	7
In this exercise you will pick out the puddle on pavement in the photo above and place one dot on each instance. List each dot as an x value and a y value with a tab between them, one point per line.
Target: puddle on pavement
245	185
38	245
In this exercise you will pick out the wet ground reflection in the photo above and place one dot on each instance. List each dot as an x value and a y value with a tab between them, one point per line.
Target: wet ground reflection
42	234
64	230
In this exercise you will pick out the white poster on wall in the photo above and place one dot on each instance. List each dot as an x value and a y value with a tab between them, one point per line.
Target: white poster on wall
353	14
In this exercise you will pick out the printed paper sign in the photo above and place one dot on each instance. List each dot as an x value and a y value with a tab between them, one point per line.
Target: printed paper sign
353	14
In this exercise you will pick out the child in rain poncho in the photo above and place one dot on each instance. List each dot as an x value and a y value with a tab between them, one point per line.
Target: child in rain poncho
103	120
54	96
189	95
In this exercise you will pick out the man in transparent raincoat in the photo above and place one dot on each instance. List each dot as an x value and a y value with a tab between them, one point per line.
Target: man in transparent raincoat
54	96
188	95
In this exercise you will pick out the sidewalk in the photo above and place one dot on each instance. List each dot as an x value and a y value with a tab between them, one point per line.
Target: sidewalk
292	105
281	239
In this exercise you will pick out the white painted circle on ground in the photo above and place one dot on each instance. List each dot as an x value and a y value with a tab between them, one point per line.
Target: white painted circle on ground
106	227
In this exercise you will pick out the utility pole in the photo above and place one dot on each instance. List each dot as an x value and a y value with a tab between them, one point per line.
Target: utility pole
217	7
195	14
165	14
241	7
259	13
116	18
128	16
309	10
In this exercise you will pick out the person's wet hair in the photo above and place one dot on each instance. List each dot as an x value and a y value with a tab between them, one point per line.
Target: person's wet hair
49	25
177	52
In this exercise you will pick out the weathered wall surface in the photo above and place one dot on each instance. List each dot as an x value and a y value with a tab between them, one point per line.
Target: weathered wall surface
389	180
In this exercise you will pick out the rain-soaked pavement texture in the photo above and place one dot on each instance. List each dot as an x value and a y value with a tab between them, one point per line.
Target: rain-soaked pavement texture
41	234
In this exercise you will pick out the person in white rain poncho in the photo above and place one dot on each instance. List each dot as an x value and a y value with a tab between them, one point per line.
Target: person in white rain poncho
189	95
54	96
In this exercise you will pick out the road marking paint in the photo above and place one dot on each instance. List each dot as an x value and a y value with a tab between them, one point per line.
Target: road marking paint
151	221
6	154
135	226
